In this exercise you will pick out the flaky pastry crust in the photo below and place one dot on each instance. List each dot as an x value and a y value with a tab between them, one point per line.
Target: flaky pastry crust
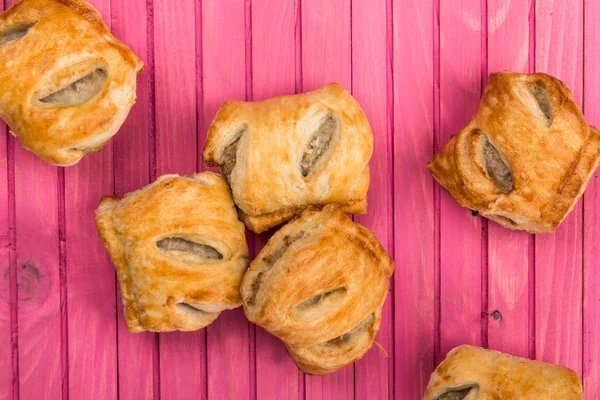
66	84
319	285
525	158
179	250
286	153
474	373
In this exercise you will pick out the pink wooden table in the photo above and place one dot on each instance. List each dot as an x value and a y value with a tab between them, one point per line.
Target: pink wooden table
417	67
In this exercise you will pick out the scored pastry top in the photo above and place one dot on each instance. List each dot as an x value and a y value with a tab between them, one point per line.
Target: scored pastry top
286	153
526	156
66	84
319	285
472	373
179	250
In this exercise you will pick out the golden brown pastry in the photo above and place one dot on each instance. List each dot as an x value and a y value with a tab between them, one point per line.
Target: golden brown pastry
473	373
179	250
286	153
319	285
66	84
525	158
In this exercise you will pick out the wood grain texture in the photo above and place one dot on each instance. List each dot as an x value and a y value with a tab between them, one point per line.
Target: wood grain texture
273	73
182	354
91	305
558	277
175	90
326	43
223	78
327	57
374	373
92	356
508	251
137	353
38	277
6	371
591	211
460	240
413	196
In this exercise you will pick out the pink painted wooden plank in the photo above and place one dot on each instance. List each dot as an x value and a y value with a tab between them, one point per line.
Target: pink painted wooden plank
558	256
91	303
38	277
326	49
182	354
326	43
370	74
6	370
338	385
175	70
273	58
273	48
460	240
413	196
137	353
39	320
591	206
508	251
224	78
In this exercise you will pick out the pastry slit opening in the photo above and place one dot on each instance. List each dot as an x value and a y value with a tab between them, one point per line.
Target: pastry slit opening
506	219
318	144
347	337
460	393
190	309
196	250
270	260
16	32
80	91
230	154
543	99
496	168
320	298
319	305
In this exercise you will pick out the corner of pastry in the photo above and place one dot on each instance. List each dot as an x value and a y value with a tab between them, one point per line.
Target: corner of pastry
179	250
66	83
526	156
286	153
301	289
471	373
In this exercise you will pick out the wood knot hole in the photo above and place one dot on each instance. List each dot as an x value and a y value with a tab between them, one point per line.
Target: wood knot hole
497	315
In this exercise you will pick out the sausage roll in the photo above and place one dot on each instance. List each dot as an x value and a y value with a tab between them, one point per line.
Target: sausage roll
66	84
319	285
473	373
284	154
179	250
526	156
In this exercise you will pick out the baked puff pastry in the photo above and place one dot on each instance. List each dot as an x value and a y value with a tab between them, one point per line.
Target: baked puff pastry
473	373
526	156
319	285
66	84
284	154
179	250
